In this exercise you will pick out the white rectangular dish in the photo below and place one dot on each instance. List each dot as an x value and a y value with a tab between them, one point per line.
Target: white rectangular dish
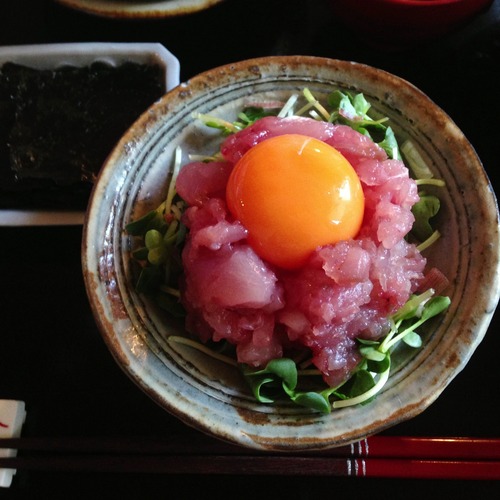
52	56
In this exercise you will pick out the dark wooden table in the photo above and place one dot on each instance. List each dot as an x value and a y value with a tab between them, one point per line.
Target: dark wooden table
51	354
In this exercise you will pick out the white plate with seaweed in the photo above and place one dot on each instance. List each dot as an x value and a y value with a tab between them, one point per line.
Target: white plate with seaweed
52	56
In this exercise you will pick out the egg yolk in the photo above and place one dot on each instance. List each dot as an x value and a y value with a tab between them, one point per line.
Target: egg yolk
293	194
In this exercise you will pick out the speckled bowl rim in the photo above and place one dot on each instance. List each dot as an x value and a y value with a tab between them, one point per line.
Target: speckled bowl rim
454	337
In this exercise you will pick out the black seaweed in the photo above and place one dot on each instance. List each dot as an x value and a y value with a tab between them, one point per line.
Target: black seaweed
58	126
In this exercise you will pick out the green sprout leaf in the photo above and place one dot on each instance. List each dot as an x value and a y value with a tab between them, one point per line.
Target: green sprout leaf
151	220
285	369
413	339
361	105
435	306
424	210
313	400
281	369
258	384
390	145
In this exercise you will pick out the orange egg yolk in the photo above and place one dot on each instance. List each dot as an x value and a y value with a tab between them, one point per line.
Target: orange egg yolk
293	194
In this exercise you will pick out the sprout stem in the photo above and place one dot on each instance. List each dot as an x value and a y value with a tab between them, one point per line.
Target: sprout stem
430	182
342	403
429	241
175	172
200	347
288	107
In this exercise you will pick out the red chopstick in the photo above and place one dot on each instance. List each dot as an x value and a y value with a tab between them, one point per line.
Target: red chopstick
377	456
427	469
261	465
446	448
456	448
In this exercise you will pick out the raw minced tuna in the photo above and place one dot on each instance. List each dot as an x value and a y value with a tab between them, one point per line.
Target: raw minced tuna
345	291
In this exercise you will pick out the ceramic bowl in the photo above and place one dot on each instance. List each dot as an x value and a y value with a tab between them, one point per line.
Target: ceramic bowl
211	396
142	9
396	22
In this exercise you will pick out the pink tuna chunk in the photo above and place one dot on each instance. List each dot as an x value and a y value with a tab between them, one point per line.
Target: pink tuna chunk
199	181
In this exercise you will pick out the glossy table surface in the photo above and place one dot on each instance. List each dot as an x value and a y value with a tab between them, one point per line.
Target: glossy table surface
51	353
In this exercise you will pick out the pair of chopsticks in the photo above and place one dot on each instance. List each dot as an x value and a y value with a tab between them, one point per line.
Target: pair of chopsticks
376	456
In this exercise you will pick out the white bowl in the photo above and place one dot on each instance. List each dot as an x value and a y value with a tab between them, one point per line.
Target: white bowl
211	396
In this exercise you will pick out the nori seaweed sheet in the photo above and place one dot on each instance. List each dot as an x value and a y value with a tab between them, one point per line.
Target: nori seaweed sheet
58	126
